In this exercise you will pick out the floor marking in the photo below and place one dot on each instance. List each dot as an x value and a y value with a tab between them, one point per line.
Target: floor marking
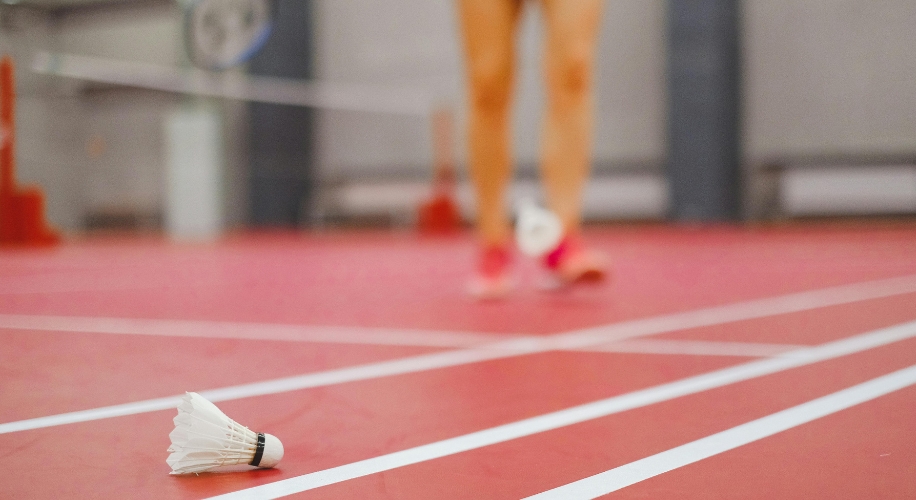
795	302
696	348
640	470
358	335
42	284
318	379
253	331
584	339
575	340
579	414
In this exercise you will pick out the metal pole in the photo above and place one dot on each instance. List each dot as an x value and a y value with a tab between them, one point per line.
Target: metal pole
281	137
704	136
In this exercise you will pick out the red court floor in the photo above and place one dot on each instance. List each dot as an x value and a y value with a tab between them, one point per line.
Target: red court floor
719	362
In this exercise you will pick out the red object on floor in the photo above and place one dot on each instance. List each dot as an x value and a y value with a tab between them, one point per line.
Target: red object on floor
440	213
21	209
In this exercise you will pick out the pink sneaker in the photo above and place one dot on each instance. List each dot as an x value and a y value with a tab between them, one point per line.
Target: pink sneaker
492	280
571	263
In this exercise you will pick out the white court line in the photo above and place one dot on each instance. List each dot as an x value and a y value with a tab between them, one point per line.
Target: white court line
795	302
66	283
251	331
579	414
584	339
666	461
574	340
696	348
309	380
359	335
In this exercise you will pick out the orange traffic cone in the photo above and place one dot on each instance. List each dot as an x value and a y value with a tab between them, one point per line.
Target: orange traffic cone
21	210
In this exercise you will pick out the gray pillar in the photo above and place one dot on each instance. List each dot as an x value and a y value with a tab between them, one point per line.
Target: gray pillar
281	141
704	137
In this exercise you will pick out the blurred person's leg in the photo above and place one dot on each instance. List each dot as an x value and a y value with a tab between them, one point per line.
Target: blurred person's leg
489	42
572	32
489	28
572	29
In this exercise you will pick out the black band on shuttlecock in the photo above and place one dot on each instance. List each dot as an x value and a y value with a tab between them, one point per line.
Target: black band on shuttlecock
259	452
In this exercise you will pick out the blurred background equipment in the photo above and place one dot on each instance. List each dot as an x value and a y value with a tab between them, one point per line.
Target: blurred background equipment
220	34
22	214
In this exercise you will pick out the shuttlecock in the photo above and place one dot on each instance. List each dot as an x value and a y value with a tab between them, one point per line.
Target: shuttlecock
205	438
537	230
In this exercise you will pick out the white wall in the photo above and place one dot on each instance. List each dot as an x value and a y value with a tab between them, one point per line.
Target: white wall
121	130
409	42
147	34
830	76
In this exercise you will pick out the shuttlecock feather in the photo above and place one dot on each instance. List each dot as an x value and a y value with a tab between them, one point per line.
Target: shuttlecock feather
205	438
537	230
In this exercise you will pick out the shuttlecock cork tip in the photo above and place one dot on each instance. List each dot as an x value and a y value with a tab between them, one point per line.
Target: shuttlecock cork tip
271	453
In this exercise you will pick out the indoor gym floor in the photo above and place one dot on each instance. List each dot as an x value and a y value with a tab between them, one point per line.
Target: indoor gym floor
720	362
